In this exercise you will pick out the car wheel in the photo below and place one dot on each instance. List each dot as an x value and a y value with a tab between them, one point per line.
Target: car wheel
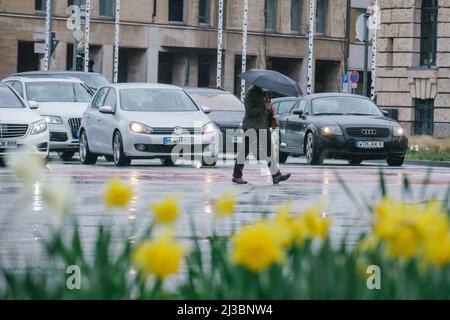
168	162
86	157
313	156
283	157
66	155
355	162
109	158
396	161
120	159
2	162
209	163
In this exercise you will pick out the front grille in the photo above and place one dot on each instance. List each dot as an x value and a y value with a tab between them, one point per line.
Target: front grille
58	136
169	131
368	132
75	124
160	148
8	130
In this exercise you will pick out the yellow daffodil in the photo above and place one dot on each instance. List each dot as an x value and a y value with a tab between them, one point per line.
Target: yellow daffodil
225	205
316	225
257	247
437	251
117	194
167	210
160	257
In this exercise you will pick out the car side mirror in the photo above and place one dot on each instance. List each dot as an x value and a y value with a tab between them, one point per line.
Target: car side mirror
33	105
385	112
106	109
206	110
299	113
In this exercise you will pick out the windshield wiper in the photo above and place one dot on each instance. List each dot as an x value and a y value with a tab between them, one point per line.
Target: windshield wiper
358	114
329	114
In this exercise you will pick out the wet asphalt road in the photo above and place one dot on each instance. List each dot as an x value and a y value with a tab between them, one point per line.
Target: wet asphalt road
23	222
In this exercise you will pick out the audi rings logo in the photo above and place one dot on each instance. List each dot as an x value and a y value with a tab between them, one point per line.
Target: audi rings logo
178	131
369	132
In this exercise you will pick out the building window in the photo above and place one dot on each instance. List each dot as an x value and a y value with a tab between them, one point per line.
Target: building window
424	117
296	15
321	16
40	5
107	8
176	10
74	2
428	37
204	11
270	12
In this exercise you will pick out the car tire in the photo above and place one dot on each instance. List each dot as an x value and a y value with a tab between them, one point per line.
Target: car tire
283	157
86	156
355	162
66	155
313	156
109	158
2	162
120	159
167	162
396	161
209	163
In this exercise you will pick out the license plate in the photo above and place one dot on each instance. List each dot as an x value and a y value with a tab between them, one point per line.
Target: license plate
8	144
76	134
178	140
370	144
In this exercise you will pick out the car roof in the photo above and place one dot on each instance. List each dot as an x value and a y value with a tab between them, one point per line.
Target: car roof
206	90
44	79
333	94
285	99
54	72
142	86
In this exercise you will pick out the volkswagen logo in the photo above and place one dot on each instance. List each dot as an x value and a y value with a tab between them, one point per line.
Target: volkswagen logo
178	131
369	132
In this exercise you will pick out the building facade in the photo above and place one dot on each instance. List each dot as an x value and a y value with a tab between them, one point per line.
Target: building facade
413	75
175	41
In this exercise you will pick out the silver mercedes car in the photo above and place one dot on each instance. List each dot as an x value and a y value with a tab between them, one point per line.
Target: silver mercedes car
146	121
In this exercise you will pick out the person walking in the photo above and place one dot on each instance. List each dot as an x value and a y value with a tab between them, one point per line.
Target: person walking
258	121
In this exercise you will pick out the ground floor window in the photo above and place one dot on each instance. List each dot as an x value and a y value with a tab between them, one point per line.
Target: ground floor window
424	117
165	68
27	59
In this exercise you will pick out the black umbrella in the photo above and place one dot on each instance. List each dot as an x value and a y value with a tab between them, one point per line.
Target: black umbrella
273	81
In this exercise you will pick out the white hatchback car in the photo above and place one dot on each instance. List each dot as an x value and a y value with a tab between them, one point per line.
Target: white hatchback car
20	126
61	102
146	121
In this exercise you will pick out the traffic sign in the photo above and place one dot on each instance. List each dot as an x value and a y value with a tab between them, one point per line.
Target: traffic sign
361	25
354	77
345	79
39	47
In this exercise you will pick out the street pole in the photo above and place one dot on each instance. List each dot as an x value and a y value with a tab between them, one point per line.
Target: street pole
116	42
48	35
219	43
366	55
374	27
75	42
244	47
87	30
311	31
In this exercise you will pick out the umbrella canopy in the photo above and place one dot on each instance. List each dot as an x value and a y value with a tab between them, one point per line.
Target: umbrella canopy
273	81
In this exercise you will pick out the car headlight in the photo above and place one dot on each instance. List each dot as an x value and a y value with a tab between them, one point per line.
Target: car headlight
208	128
137	127
39	127
331	131
52	119
399	131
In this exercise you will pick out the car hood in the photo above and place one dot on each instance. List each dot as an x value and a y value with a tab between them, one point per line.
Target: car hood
63	109
349	121
18	116
187	119
227	118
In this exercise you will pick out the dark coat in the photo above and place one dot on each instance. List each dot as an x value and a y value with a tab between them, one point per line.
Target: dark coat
256	116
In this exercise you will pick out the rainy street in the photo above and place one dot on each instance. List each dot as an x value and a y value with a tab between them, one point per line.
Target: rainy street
24	223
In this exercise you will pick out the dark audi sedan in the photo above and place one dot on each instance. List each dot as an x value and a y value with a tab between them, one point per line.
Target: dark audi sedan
341	126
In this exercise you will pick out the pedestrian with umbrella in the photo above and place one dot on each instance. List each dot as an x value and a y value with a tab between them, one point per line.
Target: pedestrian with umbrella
259	119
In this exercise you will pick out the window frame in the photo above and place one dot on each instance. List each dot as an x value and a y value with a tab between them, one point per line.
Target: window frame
272	28
425	50
104	16
42	8
184	13
94	104
207	16
299	15
324	13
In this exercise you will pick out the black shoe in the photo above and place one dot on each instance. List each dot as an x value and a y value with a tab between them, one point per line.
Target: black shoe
239	181
280	178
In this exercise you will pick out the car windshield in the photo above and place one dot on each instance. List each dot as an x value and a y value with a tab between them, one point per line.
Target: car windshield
344	106
57	92
148	100
8	99
218	102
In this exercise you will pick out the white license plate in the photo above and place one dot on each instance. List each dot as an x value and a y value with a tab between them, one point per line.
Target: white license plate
8	144
370	144
178	140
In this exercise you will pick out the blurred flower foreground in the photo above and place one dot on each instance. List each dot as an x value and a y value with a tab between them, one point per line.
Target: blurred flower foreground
284	255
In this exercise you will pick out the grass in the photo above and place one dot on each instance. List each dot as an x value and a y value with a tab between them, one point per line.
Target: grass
428	148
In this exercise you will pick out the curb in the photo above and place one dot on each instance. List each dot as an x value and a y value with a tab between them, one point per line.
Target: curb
426	163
